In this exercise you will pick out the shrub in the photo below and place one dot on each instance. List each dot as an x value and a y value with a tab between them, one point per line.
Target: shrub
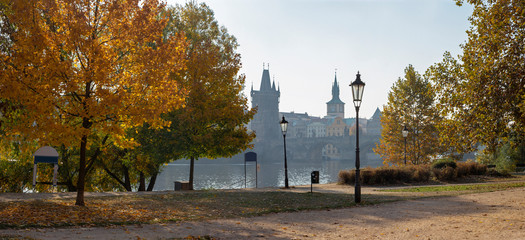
462	169
421	173
471	168
387	175
443	163
480	169
405	174
414	173
496	173
446	174
347	177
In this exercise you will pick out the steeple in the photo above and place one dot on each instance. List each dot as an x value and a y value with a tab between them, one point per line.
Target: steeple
335	88
265	80
335	107
335	92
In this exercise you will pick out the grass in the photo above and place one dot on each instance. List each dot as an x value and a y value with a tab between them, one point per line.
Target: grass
162	208
459	188
168	207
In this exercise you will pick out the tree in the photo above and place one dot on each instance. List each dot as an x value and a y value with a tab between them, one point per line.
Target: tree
80	68
213	122
410	103
456	122
484	90
130	167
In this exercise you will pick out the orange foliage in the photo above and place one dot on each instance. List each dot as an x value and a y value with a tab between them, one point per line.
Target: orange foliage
81	67
105	62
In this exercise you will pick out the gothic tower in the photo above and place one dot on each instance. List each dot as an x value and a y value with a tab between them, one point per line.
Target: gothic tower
265	123
335	107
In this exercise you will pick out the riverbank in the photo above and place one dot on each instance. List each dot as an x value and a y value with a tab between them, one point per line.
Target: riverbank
280	214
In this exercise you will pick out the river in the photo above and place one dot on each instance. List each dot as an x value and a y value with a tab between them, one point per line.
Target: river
213	175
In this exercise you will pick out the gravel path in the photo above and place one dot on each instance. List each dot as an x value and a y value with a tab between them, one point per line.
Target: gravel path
493	215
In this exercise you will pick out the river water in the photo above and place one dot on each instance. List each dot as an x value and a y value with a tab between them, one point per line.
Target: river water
231	176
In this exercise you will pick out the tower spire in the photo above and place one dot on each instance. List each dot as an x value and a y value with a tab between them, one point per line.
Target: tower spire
265	80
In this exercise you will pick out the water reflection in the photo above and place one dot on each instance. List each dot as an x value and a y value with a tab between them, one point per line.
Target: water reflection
231	176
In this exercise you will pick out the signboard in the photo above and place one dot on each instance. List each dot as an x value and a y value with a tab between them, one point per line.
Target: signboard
250	157
46	154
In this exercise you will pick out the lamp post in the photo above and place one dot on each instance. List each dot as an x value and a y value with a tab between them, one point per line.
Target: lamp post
284	127
405	135
358	87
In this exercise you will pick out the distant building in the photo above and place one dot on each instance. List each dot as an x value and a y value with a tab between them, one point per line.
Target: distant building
338	128
310	138
374	124
265	123
315	130
335	107
296	124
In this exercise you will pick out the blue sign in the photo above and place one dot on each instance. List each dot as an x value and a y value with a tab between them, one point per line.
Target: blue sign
46	155
250	157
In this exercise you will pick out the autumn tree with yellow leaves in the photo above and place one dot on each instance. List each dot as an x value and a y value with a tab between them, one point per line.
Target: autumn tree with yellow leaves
411	104
481	93
214	121
78	69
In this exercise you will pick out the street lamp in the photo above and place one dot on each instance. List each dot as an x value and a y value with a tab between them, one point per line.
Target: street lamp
284	127
358	87
405	135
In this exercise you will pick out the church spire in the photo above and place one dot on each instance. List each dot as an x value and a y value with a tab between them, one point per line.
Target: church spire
335	88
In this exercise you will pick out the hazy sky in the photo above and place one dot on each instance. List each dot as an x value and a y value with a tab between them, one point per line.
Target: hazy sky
304	41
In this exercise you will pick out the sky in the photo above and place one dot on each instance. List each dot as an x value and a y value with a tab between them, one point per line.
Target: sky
305	42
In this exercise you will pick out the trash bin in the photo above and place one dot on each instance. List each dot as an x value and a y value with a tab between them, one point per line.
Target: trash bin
178	186
315	177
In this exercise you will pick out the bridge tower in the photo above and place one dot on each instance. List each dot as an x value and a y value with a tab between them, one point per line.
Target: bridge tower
265	123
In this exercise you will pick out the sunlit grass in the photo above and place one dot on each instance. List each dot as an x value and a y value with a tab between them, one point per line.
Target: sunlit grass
455	188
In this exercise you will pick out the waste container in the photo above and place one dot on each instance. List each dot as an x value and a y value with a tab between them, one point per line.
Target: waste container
182	185
178	186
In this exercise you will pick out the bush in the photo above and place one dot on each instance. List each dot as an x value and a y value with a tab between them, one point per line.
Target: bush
446	174
496	173
443	163
387	175
421	174
346	177
412	173
471	168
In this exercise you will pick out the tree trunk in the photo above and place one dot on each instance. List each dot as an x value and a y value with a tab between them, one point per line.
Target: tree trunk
142	180
81	172
152	182
126	183
192	167
70	186
127	179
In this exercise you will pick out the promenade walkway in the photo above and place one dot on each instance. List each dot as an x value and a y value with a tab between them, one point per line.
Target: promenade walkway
492	215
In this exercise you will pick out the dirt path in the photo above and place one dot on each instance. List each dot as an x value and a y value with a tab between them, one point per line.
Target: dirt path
493	215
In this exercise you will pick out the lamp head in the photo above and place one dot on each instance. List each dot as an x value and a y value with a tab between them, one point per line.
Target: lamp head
284	126
358	88
405	131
